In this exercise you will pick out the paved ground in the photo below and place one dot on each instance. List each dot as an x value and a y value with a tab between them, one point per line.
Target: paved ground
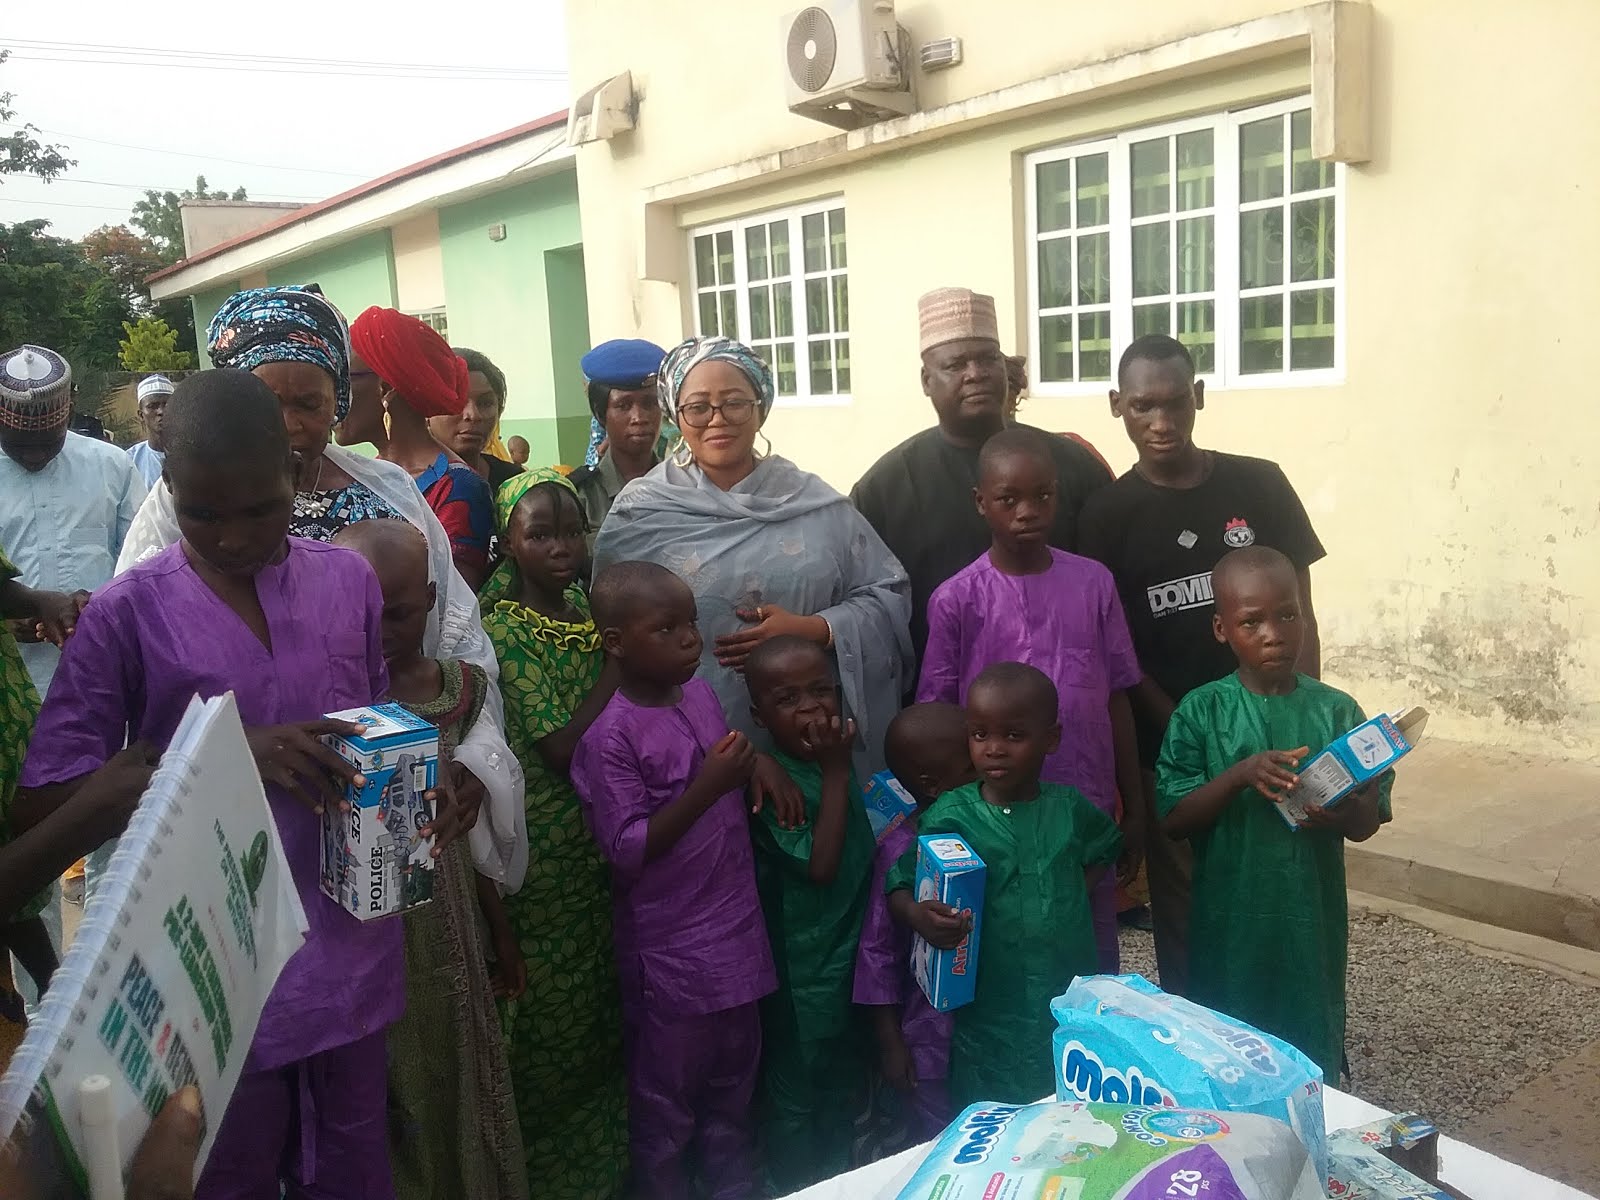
1499	1054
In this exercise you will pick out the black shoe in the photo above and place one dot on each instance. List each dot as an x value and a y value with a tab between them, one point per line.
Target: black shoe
1137	918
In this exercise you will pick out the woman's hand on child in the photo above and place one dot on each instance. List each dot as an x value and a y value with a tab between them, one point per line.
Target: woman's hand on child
58	615
296	759
941	926
456	803
766	621
730	763
831	740
1272	771
770	785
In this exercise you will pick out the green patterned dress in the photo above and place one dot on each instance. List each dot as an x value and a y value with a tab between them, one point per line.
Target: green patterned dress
564	1034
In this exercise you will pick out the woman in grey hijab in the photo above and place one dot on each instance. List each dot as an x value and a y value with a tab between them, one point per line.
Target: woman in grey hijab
766	548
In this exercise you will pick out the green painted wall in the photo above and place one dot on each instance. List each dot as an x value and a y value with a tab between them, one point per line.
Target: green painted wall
522	302
205	306
354	275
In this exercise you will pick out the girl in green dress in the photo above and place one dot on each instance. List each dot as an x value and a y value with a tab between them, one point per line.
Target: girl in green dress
564	1033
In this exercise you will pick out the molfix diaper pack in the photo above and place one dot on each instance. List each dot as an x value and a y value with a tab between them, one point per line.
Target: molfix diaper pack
374	860
1113	1152
1120	1039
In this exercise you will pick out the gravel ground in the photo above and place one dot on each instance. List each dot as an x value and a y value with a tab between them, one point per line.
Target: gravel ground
1434	1026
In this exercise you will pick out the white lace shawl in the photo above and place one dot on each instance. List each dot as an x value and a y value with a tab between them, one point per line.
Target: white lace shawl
499	841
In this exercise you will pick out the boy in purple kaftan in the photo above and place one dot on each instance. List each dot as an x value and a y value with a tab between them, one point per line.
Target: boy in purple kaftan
926	748
1027	602
309	1109
661	780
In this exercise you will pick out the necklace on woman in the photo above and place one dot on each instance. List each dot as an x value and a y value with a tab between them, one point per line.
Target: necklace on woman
316	484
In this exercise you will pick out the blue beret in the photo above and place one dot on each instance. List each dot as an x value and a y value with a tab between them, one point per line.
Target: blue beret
623	363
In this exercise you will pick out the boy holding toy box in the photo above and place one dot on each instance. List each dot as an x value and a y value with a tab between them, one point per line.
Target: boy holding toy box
1270	923
1044	845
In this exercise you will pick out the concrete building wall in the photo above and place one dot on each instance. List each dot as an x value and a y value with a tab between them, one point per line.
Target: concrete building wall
418	265
1448	470
354	275
520	300
208	223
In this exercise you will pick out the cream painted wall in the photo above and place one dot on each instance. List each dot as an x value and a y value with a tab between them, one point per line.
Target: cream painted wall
418	265
1452	475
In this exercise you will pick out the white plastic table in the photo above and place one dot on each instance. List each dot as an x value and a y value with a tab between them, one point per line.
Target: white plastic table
1477	1173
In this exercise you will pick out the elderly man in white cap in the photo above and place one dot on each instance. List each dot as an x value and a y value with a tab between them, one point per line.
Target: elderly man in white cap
150	455
918	496
66	501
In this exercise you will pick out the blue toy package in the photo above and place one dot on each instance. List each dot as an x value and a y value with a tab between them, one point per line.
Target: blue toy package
1120	1039
888	804
949	872
1080	1151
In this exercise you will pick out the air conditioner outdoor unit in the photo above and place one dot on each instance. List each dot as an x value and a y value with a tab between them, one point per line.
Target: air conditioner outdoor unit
847	62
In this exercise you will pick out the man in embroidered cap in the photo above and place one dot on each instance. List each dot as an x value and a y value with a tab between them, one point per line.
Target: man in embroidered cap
918	496
149	455
66	501
621	378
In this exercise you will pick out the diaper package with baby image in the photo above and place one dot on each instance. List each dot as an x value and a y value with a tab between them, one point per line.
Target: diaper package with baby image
1113	1152
375	860
1120	1039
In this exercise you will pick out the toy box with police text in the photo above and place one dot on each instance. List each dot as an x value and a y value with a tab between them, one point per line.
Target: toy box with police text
1353	760
948	871
375	860
888	804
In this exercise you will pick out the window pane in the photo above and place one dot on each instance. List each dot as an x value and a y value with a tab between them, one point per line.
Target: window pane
841	303
778	235
1094	190
705	261
1261	248
814	236
1055	272
1055	349
1150	180
1151	318
708	313
1152	271
1197	176
725	256
1197	253
730	314
836	248
822	368
784	369
761	313
841	364
1053	181
1094	268
1261	160
1094	345
783	310
1260	334
755	252
1312	221
1307	173
1197	329
817	318
1311	330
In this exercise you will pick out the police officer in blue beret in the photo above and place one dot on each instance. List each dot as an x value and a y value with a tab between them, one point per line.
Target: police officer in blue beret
621	377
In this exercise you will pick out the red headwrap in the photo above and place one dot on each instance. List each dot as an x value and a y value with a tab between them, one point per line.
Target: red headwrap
413	360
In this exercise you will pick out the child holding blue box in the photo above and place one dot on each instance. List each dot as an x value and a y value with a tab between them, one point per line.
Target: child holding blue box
1270	922
1044	845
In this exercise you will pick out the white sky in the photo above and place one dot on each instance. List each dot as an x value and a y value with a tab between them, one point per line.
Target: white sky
335	131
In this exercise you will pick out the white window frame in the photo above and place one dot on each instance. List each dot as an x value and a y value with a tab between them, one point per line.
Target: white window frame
1225	277
802	336
433	318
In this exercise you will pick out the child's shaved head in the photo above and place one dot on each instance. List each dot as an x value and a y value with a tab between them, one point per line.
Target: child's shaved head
926	749
623	588
1011	444
387	540
1253	561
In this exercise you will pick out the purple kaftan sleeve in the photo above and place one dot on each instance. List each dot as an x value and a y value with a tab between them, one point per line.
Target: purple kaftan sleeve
616	801
1122	663
85	717
885	947
941	661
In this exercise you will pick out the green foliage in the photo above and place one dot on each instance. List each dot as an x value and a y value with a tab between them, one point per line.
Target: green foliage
152	345
157	216
21	152
130	259
52	295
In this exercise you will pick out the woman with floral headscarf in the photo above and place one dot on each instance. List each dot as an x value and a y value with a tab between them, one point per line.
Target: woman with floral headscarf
564	1033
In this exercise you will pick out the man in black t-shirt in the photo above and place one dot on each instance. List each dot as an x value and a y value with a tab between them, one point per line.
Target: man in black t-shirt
1160	529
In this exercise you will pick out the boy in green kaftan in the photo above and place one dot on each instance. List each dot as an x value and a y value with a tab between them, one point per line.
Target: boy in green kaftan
1045	845
813	881
1269	928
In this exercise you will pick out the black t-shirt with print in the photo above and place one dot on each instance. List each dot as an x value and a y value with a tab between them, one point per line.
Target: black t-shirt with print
1160	545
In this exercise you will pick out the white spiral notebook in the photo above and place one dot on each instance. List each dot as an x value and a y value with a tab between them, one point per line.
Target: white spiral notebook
163	986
